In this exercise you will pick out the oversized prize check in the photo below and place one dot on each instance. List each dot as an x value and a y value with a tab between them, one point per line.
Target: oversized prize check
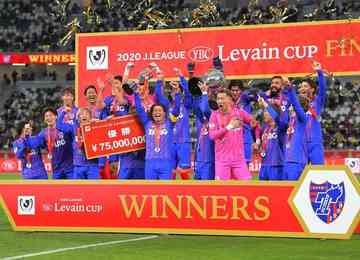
113	136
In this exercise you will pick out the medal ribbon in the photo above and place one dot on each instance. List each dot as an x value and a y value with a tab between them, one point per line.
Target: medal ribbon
51	135
265	139
291	129
157	136
79	139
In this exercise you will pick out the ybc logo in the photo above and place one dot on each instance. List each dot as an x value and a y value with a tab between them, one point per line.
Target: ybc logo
26	205
97	58
200	54
327	200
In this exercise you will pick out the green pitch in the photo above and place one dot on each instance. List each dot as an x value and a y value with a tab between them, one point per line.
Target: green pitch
169	246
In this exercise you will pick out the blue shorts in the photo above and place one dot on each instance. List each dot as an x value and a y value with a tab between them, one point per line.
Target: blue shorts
102	162
90	172
271	173
204	171
158	169
131	173
248	152
63	175
292	171
316	153
41	176
183	155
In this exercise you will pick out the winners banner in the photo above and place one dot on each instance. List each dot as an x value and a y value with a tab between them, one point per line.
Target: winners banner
113	136
250	51
325	203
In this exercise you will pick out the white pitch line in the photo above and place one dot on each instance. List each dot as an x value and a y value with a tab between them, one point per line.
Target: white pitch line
79	247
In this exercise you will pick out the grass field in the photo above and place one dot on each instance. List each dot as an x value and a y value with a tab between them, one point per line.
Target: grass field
167	246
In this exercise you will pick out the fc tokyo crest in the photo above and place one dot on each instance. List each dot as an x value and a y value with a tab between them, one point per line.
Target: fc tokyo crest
327	200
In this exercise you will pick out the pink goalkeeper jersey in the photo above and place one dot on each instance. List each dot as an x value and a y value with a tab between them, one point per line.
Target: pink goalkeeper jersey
229	144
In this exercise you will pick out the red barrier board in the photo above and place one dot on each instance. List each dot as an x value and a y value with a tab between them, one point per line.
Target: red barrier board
211	207
113	136
258	51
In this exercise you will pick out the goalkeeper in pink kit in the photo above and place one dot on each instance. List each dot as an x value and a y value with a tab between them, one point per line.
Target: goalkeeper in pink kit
226	129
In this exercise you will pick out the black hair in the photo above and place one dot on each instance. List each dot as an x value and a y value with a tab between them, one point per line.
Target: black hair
153	107
311	83
118	77
276	77
68	90
90	87
224	91
50	109
20	127
236	82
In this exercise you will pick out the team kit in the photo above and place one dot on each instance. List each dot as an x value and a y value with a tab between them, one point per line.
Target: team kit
227	133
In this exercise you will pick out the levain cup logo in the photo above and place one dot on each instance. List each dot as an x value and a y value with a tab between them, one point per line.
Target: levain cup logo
327	200
97	58
26	205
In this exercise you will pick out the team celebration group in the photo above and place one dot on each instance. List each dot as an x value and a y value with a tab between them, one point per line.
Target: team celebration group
227	134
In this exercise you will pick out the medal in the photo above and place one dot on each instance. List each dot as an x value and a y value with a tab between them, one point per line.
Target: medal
49	156
262	154
157	149
28	165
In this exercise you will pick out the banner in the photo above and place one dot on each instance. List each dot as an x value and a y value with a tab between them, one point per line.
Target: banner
113	136
350	158
325	203
250	51
13	165
37	58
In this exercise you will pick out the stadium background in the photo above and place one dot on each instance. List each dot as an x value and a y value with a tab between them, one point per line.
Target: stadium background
39	27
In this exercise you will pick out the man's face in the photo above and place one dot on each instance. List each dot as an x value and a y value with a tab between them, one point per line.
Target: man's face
235	92
116	85
223	101
68	99
305	90
276	85
158	114
91	95
50	119
84	116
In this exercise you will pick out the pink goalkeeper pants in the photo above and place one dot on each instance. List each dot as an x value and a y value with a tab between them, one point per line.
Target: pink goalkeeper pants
231	170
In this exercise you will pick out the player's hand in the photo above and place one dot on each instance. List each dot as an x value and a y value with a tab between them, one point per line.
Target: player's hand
235	123
175	86
316	65
177	72
100	84
255	146
286	81
113	168
109	78
129	66
262	102
27	129
253	123
203	87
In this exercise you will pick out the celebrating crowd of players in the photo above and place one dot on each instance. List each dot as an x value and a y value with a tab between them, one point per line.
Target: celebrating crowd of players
226	133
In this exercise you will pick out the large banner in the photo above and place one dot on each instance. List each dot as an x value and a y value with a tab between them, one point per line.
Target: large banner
37	58
251	51
349	158
324	203
113	136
